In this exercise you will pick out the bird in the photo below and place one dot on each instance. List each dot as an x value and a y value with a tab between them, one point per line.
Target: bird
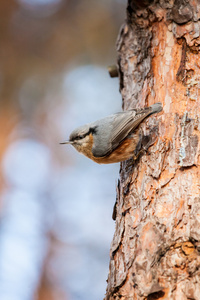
114	138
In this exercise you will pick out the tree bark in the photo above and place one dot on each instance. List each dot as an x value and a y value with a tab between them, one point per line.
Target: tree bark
155	252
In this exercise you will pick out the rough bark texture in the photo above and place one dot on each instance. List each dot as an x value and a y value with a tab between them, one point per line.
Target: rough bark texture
155	252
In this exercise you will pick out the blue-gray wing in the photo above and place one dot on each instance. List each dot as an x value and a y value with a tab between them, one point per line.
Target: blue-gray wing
112	130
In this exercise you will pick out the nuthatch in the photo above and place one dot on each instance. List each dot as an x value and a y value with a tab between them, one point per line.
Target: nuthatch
114	138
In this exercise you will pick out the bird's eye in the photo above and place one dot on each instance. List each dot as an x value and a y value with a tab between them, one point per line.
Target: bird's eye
79	137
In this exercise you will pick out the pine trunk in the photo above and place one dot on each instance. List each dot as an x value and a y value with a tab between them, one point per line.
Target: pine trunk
155	252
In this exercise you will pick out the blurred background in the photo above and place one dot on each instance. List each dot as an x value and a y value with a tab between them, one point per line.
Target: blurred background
55	205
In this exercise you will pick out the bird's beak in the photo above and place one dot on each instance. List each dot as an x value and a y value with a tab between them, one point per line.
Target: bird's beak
67	142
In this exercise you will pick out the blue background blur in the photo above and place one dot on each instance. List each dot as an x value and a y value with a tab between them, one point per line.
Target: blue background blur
55	205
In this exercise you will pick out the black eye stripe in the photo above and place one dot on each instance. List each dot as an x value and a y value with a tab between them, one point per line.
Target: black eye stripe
82	136
92	130
79	137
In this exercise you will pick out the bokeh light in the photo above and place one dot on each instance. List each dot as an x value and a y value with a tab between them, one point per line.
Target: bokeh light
55	204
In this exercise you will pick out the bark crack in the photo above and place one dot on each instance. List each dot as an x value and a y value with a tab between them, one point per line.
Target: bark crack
181	73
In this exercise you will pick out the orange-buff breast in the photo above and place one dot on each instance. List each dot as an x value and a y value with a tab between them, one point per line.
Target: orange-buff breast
123	152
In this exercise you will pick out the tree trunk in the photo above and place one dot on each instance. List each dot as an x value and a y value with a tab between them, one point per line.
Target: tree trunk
155	252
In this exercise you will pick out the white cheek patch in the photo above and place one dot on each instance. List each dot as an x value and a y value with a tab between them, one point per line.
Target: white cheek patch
85	141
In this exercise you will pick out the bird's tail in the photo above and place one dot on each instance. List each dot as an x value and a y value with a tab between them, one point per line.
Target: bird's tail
155	108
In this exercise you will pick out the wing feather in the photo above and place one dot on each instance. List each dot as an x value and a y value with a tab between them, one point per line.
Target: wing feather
118	127
125	128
